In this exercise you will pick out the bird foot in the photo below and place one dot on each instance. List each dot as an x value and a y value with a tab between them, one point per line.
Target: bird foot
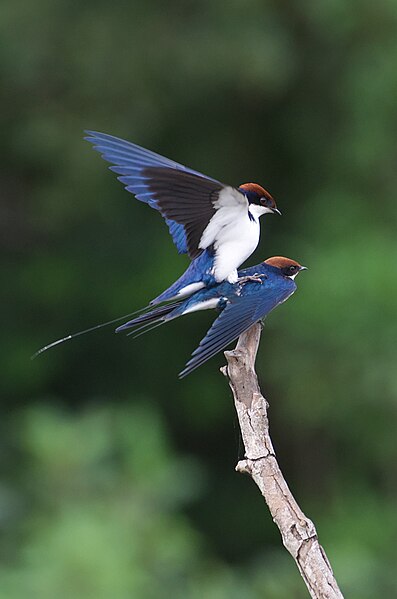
257	278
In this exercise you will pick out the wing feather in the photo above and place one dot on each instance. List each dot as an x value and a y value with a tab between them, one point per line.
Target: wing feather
130	161
240	313
187	199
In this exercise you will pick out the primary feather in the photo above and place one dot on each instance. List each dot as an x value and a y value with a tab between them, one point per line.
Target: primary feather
151	178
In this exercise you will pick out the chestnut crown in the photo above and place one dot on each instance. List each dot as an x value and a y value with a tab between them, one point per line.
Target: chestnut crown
288	267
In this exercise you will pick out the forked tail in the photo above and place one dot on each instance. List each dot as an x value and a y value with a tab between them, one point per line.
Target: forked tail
154	317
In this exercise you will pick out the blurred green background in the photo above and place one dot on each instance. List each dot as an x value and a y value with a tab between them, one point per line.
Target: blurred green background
117	479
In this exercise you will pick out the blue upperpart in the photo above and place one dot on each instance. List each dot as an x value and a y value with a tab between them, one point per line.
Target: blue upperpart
247	303
199	270
269	292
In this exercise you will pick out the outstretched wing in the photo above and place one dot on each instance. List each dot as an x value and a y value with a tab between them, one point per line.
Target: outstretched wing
239	314
186	198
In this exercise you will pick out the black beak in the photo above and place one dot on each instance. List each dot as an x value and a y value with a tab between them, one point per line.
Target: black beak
276	211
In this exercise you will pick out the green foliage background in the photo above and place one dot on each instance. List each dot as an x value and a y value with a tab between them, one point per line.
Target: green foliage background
117	479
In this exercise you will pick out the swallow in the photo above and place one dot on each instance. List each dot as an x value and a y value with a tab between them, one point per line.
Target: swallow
216	224
257	291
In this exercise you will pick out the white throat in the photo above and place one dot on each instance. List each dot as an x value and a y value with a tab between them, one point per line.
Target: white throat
257	210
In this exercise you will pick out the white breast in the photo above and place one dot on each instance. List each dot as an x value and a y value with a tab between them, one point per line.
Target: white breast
230	206
234	245
232	233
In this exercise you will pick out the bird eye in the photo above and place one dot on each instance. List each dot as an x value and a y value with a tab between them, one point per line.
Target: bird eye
292	269
266	202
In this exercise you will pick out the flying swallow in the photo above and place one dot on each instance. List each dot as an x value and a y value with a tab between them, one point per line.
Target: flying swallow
258	290
216	224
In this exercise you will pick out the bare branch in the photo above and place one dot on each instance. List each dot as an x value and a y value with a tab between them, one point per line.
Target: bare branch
298	532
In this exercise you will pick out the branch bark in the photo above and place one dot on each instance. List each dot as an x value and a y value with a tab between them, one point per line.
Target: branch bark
297	531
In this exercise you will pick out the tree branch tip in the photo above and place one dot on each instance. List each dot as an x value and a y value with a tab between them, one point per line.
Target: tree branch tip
243	467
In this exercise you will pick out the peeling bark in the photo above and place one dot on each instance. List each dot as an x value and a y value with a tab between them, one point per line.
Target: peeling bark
298	533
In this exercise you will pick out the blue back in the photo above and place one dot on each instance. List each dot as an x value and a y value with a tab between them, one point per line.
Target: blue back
246	304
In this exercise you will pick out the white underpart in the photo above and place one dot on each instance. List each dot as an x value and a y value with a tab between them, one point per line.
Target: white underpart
189	289
205	305
232	232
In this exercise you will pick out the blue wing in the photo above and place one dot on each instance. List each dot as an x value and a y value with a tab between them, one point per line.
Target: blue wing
242	312
140	169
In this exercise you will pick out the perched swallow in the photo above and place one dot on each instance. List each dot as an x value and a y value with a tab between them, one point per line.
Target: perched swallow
217	225
259	290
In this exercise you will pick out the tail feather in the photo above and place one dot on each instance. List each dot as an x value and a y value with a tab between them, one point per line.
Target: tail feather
151	317
146	328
